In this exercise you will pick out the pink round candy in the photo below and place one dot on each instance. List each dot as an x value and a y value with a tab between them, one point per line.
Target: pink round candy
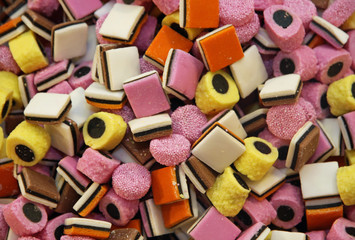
247	31
131	181
339	11
3	225
236	12
126	113
316	94
146	35
188	121
146	66
304	9
117	210
171	150
7	62
308	108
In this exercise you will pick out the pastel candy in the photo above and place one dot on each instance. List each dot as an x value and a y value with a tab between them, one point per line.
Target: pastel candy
131	181
146	35
254	212
243	14
316	94
341	229
3	225
288	204
349	212
247	31
302	61
100	38
345	178
27	88
7	62
118	210
167	6
316	235
81	76
10	82
333	63
25	217
62	88
55	227
284	27
258	230
98	166
43	6
338	12
5	103
350	47
304	9
147	67
75	10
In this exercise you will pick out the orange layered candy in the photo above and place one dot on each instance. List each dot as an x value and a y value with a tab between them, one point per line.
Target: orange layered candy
175	213
166	39
134	223
199	13
7	30
220	48
320	219
166	185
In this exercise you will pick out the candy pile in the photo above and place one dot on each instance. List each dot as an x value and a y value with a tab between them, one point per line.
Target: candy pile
168	119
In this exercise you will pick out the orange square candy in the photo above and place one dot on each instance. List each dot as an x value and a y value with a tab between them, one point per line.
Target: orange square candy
199	13
220	48
175	213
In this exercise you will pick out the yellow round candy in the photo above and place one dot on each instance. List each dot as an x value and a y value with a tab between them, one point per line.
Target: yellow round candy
350	157
104	131
346	186
6	101
257	159
27	53
215	92
3	150
27	144
172	21
10	81
228	193
340	96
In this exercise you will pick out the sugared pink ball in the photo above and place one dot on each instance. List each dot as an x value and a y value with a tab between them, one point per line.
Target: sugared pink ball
131	181
171	150
126	112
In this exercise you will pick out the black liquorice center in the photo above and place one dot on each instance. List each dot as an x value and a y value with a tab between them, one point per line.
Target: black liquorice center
335	69
32	212
128	1
220	84
324	102
113	211
24	153
282	18
240	181
59	232
178	29
82	71
262	147
5	109
285	213
353	90
244	217
350	231
287	66
96	127
283	152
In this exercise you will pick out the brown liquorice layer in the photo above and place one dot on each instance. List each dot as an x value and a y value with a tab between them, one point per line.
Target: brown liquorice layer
37	24
42	119
152	131
256	118
56	75
193	171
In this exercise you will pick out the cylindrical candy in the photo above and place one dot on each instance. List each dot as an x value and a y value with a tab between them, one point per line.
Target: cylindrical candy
5	103
342	229
55	227
346	186
316	94
10	81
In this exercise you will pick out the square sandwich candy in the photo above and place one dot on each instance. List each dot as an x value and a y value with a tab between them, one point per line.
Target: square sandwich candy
97	95
199	13
74	9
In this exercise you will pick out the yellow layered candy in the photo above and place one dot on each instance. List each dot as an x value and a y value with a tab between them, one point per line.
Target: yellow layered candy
9	80
346	184
340	96
228	193
257	159
172	21
5	103
350	157
27	53
215	92
104	131
27	144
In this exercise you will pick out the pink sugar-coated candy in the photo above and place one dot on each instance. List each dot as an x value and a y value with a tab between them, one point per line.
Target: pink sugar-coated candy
349	212
17	220
81	76
268	61
327	56
97	166
126	112
251	232
7	62
44	74
280	144
285	120
261	5
54	226
131	181
69	164
146	34
62	87
304	60
316	94
147	4
99	37
323	148
117	210
287	39
167	6
304	9
247	31
171	150
28	238
338	230
316	235
236	12
350	46
68	237
80	10
308	108
3	225
147	67
255	211
45	7
188	121
339	11
288	196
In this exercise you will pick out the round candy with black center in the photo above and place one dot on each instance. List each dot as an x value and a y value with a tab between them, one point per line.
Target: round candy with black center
59	232
84	70
285	213
215	92
244	217
27	144
282	18
32	212
287	66
104	131
113	211
283	152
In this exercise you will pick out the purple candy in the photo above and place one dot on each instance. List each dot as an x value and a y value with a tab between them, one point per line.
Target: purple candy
126	113
7	62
